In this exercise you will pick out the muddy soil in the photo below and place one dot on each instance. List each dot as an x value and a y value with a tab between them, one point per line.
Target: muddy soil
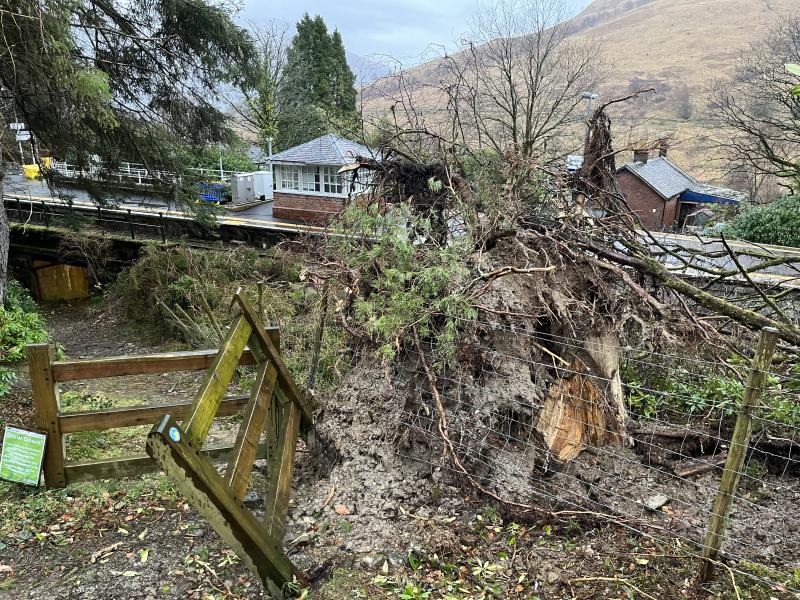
366	496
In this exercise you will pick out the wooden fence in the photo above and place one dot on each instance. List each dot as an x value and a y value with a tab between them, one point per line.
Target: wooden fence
46	374
275	406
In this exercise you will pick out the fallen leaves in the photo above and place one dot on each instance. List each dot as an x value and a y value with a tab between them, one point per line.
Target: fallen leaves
103	553
341	509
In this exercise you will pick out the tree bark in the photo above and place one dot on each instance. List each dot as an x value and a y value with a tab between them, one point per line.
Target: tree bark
754	320
4	234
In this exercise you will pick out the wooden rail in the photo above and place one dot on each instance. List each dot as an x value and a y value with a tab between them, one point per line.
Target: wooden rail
275	406
46	374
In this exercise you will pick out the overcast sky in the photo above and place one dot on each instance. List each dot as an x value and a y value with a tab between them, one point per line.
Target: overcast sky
399	28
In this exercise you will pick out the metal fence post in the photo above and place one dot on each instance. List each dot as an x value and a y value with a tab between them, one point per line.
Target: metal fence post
19	211
738	450
130	225
44	215
163	228
99	217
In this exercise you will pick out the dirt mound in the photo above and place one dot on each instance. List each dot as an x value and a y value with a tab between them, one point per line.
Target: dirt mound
509	402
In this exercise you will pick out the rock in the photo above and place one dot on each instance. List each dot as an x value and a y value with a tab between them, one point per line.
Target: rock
656	502
341	509
301	540
372	561
396	560
552	577
253	500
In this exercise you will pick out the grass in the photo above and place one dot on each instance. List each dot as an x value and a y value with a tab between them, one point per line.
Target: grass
110	443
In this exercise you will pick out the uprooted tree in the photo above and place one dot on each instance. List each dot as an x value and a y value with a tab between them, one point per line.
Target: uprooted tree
456	295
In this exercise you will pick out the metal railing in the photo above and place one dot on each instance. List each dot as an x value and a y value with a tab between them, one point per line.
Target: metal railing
133	173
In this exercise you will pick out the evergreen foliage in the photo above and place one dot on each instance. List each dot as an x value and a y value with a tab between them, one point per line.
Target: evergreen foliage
100	82
121	80
774	223
317	93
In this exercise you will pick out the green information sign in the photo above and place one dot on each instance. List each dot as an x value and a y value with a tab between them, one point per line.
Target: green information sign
23	452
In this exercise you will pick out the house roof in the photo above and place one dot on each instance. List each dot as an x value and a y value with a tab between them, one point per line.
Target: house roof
663	175
722	195
329	149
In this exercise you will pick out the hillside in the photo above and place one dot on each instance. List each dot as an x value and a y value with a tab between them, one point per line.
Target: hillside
675	46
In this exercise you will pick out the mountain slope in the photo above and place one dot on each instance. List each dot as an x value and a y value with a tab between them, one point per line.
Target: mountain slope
676	46
677	40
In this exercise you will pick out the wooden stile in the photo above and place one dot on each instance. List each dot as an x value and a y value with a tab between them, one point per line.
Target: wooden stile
255	415
208	492
276	402
281	467
141	464
141	364
268	348
130	416
215	383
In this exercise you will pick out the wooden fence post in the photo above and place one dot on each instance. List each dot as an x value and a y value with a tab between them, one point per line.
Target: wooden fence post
46	405
738	450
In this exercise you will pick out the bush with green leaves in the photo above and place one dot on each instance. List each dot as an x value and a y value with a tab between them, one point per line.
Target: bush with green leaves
714	395
775	223
20	323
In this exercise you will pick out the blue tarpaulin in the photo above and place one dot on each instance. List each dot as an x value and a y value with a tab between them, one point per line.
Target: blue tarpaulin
703	198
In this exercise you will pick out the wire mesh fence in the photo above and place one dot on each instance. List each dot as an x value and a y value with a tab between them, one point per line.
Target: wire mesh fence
547	432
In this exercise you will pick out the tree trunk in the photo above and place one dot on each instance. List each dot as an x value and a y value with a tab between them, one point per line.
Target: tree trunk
4	234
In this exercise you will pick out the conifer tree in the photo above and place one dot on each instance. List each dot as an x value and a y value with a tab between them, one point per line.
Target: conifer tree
316	95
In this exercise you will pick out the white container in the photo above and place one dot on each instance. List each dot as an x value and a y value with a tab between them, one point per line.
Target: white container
242	188
262	185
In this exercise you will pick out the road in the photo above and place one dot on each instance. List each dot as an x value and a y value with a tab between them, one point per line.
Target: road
785	275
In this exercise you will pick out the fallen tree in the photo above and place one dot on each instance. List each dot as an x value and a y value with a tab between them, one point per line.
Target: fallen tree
507	333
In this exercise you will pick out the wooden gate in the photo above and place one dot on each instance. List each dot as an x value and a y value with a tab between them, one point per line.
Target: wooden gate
274	403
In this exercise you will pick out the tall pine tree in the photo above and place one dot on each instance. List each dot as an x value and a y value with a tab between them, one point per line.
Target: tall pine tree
317	94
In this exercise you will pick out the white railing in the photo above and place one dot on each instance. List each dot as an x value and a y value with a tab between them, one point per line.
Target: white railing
134	173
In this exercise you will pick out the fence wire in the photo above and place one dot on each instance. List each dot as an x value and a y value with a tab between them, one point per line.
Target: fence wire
662	476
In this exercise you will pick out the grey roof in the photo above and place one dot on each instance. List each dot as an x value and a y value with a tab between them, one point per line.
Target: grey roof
329	149
663	175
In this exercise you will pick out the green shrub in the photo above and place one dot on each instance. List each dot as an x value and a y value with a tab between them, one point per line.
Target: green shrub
774	223
7	379
20	323
174	292
711	395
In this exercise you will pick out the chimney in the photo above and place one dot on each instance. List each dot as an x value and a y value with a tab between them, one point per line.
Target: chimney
641	156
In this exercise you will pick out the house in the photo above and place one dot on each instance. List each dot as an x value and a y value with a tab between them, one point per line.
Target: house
306	179
662	194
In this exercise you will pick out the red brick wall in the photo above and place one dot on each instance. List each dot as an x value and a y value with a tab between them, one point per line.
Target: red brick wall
308	209
642	199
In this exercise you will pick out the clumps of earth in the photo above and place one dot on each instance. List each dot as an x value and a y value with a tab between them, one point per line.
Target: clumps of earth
535	421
